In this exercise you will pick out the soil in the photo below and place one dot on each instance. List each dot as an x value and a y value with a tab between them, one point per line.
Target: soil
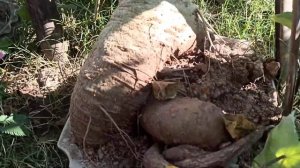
230	75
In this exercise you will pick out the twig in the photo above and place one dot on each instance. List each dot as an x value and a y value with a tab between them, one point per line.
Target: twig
122	133
84	141
124	68
186	79
208	68
96	10
205	24
85	135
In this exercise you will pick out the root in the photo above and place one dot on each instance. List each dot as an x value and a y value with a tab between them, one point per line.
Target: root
84	142
122	133
200	17
206	24
187	81
85	135
208	68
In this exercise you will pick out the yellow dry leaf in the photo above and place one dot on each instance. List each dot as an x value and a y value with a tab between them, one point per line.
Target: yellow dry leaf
238	125
171	166
163	90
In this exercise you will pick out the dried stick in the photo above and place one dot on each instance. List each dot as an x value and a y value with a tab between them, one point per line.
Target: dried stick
84	142
122	133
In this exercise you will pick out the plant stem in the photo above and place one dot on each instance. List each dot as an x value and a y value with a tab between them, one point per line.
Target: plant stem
292	62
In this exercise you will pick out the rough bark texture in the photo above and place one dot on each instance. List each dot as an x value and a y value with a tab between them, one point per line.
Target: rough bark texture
186	156
111	86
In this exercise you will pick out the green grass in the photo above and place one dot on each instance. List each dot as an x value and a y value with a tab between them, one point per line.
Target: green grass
30	152
235	18
244	19
39	149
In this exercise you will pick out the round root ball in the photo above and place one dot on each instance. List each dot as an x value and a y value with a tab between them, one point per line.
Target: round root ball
185	121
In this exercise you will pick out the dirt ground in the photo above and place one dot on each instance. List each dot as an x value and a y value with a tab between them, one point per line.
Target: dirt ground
230	75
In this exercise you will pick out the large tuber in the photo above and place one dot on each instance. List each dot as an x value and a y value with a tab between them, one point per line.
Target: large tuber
185	121
134	45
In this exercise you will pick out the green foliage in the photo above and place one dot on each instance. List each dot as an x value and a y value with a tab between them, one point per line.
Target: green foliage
24	13
284	19
3	95
14	124
241	19
5	43
282	149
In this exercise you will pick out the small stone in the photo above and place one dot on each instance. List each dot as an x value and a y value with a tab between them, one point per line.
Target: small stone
256	120
100	154
90	152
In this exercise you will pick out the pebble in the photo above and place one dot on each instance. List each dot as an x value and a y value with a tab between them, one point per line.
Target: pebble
100	154
90	152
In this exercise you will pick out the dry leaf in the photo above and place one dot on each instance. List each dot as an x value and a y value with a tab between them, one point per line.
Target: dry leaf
238	125
272	68
163	90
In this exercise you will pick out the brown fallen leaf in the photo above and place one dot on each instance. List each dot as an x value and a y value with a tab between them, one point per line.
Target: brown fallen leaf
271	69
171	166
163	90
238	125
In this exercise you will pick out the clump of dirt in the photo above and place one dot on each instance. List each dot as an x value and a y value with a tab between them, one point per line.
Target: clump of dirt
118	153
39	89
230	75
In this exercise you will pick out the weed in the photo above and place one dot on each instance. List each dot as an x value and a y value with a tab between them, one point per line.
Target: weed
31	152
244	19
